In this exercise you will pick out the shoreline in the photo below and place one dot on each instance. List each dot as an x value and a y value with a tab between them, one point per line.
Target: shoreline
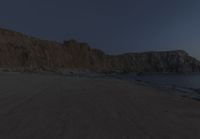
190	93
193	93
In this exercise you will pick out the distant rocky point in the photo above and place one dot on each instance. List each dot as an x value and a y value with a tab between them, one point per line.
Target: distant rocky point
22	52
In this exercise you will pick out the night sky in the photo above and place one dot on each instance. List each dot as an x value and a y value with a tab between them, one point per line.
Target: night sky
115	26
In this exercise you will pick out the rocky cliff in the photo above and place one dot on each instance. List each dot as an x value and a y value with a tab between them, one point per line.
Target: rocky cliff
19	51
168	61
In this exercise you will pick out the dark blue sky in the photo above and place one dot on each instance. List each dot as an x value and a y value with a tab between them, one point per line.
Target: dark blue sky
115	26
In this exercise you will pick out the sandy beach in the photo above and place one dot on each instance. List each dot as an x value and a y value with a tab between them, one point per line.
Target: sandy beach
34	106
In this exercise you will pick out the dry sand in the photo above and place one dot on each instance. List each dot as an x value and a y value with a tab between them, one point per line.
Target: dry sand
60	107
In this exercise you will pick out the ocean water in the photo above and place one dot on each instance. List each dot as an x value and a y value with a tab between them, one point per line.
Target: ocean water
186	81
185	84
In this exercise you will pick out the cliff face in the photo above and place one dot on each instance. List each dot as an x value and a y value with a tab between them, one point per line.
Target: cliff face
21	51
18	51
169	61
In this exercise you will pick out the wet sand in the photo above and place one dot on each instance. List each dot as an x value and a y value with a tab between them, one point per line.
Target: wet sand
34	106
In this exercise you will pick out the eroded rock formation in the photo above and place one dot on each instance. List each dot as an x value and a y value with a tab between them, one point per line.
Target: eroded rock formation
19	51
